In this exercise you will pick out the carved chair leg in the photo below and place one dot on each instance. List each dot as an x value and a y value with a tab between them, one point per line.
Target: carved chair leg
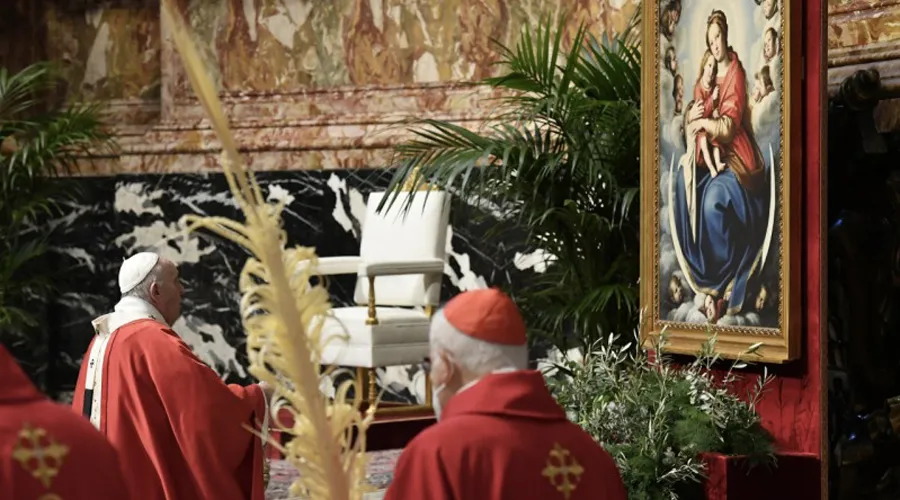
373	386
372	318
360	383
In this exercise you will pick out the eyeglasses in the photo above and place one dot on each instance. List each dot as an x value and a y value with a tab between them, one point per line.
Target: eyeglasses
426	365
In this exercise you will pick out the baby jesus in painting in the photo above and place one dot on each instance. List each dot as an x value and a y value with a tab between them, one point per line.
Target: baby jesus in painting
707	92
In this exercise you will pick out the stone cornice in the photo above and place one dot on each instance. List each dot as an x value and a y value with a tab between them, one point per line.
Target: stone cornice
317	129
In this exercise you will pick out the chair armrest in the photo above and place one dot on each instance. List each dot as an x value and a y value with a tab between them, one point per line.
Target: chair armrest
328	266
371	268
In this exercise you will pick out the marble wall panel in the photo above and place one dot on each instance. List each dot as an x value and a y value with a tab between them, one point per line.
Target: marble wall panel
863	34
308	82
308	85
289	45
22	34
327	129
86	264
117	49
107	53
323	209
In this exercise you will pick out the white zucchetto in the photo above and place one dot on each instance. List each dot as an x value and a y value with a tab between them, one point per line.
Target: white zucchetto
135	269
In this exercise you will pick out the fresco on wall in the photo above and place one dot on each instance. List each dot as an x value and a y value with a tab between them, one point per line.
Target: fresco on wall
284	45
107	53
290	45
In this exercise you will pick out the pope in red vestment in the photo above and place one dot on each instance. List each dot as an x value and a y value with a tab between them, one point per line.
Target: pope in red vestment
45	451
500	434
180	432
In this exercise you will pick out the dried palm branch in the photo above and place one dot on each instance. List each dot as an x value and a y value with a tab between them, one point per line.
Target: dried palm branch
282	310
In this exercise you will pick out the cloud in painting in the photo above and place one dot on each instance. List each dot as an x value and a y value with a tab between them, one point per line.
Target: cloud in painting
689	311
766	115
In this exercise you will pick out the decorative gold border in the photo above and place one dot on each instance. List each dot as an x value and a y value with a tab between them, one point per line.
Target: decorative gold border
780	344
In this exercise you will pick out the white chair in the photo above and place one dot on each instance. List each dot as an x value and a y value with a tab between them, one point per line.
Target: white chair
399	271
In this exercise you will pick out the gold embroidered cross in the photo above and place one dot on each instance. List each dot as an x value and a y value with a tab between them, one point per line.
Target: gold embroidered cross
39	454
563	471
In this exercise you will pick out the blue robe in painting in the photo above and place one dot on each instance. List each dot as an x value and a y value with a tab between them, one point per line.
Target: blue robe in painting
731	225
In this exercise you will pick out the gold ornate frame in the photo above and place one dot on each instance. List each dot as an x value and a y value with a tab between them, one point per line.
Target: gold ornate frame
776	345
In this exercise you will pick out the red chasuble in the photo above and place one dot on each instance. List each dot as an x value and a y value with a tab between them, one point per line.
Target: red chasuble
45	451
505	438
178	429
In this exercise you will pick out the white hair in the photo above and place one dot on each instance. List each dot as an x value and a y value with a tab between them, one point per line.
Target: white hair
142	289
474	355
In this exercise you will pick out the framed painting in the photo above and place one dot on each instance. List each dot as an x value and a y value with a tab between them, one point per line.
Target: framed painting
720	185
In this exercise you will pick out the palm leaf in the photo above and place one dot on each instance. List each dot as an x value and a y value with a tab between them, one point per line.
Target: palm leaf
19	91
49	141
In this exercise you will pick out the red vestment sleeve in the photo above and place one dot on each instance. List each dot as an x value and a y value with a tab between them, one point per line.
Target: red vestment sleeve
420	474
207	418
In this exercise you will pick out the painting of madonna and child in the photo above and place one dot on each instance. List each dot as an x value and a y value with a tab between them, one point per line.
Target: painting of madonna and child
718	187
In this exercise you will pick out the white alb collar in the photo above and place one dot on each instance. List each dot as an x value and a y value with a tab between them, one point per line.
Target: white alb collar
127	310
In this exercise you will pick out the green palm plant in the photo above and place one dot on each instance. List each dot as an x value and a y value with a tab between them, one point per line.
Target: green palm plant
41	140
561	160
657	417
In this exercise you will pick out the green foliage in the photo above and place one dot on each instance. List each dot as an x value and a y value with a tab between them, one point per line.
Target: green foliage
40	141
561	161
655	418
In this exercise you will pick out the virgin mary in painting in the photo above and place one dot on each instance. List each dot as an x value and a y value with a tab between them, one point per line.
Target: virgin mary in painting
718	215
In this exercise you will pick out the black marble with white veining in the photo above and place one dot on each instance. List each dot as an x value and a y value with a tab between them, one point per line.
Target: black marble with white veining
122	215
85	263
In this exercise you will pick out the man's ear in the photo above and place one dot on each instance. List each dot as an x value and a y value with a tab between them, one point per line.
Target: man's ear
449	367
154	289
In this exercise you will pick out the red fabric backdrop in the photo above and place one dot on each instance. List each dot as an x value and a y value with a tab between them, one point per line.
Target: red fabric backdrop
794	407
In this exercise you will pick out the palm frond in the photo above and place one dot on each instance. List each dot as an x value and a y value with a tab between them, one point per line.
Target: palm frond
41	142
50	144
283	308
19	91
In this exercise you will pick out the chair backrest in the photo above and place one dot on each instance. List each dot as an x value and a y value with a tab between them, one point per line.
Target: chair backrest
420	233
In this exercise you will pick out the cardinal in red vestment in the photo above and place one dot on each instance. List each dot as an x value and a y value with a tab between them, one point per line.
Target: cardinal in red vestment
180	432
500	434
45	451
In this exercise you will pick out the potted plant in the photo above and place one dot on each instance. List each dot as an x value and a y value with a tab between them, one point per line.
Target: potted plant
41	139
665	424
